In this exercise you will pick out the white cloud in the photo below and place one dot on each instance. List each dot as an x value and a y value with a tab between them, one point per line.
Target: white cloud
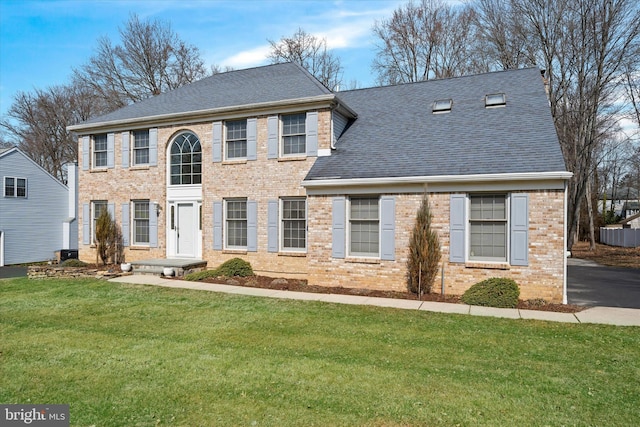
247	58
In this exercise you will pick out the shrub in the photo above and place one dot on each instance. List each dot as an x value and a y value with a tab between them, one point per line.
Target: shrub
235	267
424	252
107	237
494	292
73	263
200	275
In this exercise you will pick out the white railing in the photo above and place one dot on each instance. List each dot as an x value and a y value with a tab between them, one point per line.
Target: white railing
625	237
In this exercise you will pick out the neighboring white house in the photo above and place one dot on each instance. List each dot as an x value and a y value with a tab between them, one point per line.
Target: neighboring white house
37	211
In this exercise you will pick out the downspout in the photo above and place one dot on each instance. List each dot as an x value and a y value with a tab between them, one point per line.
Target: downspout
566	251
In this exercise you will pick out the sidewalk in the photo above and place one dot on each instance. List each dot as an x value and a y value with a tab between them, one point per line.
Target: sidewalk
602	315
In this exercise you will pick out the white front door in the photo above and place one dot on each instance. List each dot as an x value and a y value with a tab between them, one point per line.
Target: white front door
186	229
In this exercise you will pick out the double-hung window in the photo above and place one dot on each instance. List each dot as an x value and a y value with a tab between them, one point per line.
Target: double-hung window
97	207
100	150
364	225
15	187
236	223
294	224
140	222
488	227
294	134
236	139
141	147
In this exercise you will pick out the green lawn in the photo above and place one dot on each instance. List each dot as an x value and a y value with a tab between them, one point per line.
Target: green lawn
124	355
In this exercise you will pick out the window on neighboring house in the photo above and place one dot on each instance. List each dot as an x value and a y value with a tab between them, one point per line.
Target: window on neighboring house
15	187
293	134
364	226
488	227
236	139
100	150
294	224
236	223
186	160
141	147
140	222
97	207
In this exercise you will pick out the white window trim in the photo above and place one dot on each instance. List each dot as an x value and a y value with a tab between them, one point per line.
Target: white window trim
281	136
132	148
132	230
94	218
467	249
225	224
349	253
281	220
94	151
225	140
15	187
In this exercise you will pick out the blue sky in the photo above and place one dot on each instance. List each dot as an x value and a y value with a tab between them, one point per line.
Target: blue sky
42	41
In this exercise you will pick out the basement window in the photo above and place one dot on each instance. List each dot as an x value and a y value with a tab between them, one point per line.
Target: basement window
442	106
495	100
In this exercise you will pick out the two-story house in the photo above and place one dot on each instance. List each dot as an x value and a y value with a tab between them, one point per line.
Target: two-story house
268	165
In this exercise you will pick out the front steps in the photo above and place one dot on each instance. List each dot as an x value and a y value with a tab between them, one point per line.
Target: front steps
179	267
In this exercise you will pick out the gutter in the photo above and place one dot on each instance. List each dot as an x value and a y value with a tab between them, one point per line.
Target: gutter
204	115
500	177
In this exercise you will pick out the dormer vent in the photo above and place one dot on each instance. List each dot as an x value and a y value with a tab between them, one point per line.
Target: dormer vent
442	106
495	100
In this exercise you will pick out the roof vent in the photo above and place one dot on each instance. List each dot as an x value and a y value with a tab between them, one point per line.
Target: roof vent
495	100
442	106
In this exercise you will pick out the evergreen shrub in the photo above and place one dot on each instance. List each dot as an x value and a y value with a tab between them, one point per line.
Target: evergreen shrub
494	292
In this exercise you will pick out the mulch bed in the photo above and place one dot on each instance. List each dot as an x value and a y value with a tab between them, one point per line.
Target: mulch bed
297	285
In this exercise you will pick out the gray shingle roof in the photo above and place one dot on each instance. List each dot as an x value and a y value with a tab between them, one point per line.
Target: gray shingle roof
235	88
397	135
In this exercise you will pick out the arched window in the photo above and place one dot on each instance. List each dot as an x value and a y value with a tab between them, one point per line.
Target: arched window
186	160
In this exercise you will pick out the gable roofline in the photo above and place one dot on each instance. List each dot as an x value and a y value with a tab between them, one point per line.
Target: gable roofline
4	153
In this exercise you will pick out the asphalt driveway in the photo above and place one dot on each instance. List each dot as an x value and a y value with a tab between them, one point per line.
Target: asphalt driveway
593	284
8	272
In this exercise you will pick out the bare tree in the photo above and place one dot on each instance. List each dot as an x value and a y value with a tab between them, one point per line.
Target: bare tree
427	40
584	46
36	123
311	53
150	59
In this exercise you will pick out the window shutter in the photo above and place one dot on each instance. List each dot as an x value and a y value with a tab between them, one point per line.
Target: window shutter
217	226
311	126
125	149
153	225
125	224
217	141
252	226
272	137
153	147
86	141
338	227
272	226
252	138
111	150
86	224
519	229
457	227
388	227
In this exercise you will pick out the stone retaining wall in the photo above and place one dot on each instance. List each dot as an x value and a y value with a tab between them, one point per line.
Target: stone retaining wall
58	272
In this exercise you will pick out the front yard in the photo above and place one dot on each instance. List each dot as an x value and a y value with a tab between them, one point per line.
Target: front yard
125	355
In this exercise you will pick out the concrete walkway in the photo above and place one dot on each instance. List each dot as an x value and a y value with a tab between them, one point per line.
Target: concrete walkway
602	315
